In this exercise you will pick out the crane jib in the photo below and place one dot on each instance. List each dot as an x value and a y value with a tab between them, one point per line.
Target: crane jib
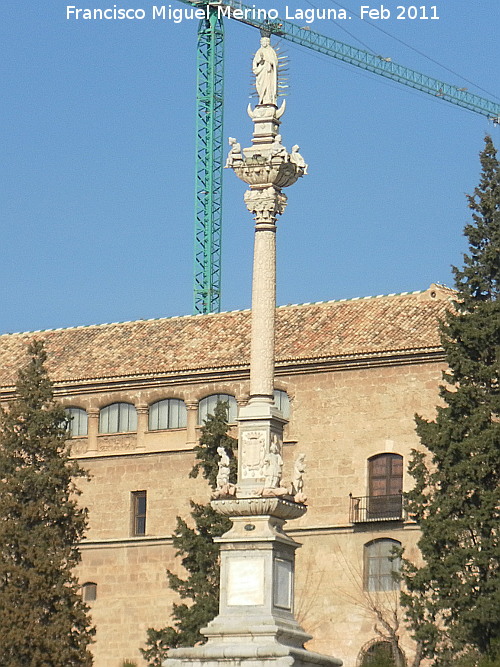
209	151
358	57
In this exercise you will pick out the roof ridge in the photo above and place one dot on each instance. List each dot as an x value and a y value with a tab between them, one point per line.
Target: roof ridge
109	324
354	298
224	312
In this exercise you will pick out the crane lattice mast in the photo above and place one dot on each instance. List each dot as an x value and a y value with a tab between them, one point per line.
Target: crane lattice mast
208	195
209	120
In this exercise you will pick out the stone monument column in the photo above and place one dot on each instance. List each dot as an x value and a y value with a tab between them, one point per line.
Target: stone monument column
267	168
263	297
260	423
256	622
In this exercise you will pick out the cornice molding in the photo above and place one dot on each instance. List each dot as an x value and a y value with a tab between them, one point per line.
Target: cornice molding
241	372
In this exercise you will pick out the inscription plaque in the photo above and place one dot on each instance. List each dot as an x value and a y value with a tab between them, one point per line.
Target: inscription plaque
245	581
283	583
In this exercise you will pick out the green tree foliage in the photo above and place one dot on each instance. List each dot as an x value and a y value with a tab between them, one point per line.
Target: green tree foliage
43	621
453	600
199	553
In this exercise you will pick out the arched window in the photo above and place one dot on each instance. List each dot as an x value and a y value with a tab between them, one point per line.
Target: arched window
385	486
381	565
168	413
77	421
89	591
282	402
207	406
380	653
118	418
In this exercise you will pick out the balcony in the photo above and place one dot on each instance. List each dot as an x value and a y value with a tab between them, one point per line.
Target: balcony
367	509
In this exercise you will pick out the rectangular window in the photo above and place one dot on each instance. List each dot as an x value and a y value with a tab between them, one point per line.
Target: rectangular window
89	591
139	513
381	565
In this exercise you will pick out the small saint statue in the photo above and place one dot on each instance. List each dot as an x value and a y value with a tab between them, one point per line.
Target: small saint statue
265	68
277	148
297	159
234	154
223	473
273	465
299	470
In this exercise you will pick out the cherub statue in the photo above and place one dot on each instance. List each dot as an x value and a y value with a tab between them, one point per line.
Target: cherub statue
297	159
277	148
234	154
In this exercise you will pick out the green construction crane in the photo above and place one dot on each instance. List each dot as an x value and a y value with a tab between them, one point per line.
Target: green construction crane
209	120
208	194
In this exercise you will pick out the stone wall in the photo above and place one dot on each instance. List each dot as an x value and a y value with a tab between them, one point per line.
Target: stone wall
338	418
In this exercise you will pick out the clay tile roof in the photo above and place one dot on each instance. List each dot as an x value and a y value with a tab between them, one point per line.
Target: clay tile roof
305	332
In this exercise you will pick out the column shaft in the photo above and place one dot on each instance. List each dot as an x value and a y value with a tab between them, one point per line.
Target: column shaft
263	313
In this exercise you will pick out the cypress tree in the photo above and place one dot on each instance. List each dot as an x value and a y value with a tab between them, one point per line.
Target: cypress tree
43	621
453	600
199	554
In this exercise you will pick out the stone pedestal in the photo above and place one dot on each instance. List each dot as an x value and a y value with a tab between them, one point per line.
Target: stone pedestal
266	120
257	571
260	424
256	624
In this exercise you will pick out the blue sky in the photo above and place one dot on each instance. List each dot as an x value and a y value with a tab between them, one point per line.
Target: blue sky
97	183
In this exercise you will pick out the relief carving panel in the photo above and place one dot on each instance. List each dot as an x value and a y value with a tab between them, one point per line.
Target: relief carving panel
253	453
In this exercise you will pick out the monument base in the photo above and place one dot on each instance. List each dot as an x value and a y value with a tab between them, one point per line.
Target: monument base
255	624
249	654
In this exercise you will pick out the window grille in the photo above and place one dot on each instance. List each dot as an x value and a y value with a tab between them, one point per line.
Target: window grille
381	653
89	591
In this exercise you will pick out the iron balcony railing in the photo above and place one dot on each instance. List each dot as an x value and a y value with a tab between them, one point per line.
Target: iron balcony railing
376	508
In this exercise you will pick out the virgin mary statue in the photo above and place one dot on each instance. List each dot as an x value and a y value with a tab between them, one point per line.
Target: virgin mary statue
265	68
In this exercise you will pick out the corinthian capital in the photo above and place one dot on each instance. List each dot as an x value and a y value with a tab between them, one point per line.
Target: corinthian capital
265	205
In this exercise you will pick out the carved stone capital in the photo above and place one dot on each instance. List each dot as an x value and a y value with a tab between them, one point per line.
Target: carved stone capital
265	205
278	507
267	168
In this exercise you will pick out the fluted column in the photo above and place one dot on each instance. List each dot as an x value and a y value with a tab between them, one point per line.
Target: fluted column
265	204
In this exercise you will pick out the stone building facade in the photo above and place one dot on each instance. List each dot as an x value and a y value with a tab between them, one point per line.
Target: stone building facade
350	374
